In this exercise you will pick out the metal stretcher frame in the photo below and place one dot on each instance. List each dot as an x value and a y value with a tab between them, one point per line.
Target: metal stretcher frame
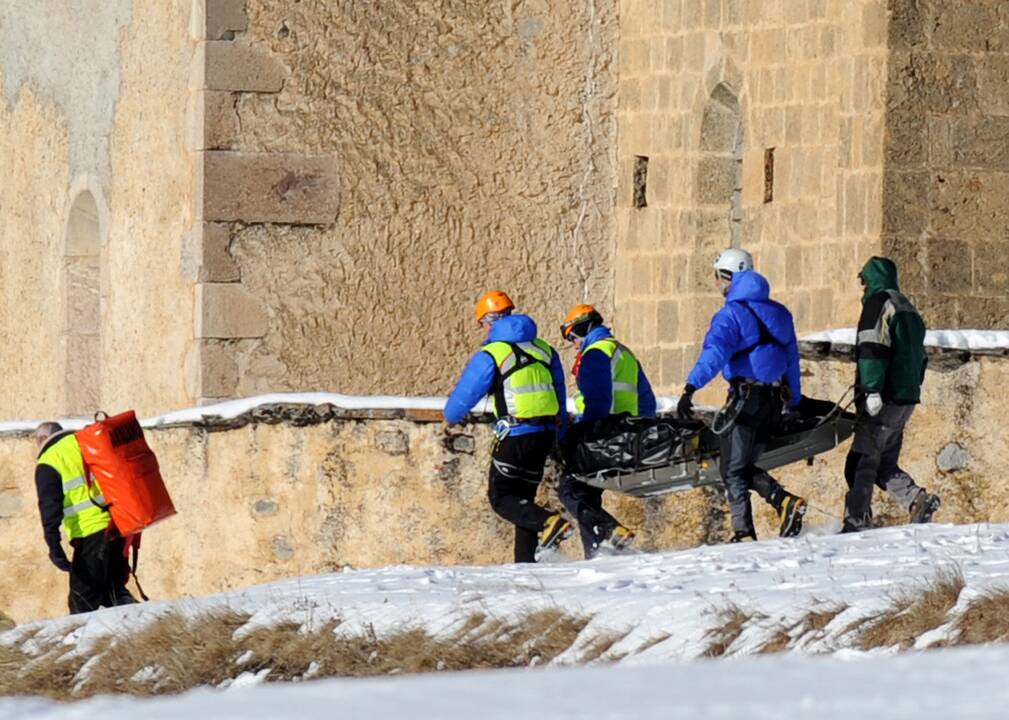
698	469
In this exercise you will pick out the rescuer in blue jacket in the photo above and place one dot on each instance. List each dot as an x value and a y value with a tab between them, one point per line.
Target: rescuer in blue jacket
610	381
751	341
525	377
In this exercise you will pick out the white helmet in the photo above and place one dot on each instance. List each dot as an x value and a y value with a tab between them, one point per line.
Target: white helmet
732	261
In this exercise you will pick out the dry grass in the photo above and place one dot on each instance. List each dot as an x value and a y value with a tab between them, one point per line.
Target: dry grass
732	620
810	627
985	620
177	653
914	612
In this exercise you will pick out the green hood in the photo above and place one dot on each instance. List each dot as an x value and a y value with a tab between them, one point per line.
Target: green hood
878	274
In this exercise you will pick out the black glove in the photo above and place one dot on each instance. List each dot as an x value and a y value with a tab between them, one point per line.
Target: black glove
685	407
59	559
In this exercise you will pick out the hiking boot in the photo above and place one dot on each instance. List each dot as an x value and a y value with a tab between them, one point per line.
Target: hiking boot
621	538
555	530
790	515
741	536
924	507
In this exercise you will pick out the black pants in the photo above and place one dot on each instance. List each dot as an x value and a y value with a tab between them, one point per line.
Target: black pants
741	446
585	503
98	573
516	469
872	460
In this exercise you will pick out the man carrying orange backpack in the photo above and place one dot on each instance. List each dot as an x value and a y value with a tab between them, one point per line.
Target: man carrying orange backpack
99	570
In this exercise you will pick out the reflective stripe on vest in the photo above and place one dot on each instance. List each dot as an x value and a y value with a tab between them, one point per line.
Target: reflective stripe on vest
624	370
528	391
81	515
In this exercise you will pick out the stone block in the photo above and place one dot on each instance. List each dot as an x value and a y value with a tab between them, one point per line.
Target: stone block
949	267
211	369
266	188
671	376
213	120
668	320
971	27
904	211
83	300
265	508
909	254
952	457
236	67
392	442
991	268
983	313
218	19
907	23
205	255
712	13
717	177
874	24
993	85
968	205
920	82
83	374
228	310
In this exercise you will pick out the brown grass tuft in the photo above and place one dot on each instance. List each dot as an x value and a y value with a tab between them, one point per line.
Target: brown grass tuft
914	612
176	653
985	620
730	625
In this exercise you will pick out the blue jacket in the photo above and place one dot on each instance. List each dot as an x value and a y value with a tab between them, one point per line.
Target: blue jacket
480	375
733	346
595	381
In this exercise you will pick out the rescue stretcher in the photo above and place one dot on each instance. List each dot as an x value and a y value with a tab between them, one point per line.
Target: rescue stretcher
693	460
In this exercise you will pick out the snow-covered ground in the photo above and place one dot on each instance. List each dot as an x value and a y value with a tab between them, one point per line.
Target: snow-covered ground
662	606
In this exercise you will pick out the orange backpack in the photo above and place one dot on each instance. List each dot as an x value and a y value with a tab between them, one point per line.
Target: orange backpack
116	454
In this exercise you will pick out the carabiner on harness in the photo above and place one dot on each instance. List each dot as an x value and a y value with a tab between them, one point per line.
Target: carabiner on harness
725	418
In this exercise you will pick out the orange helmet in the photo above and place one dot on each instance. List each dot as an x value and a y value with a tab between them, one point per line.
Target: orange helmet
578	321
494	301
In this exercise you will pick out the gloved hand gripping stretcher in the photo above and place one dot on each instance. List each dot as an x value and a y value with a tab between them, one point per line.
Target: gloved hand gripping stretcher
643	457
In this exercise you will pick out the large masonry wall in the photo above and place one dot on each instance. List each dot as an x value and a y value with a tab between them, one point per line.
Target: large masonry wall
95	204
946	219
707	91
318	491
373	168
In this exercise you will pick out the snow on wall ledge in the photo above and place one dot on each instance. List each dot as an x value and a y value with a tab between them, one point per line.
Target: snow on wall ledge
267	488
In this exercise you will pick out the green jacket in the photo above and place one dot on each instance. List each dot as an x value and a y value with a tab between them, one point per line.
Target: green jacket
890	349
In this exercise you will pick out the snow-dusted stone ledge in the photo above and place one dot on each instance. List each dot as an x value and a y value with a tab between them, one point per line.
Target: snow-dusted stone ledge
946	349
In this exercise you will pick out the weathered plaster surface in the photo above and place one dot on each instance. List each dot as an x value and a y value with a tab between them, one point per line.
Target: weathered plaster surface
68	54
473	144
94	99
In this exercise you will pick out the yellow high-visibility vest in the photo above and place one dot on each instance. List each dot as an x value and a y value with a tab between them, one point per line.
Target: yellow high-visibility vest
83	502
525	387
624	372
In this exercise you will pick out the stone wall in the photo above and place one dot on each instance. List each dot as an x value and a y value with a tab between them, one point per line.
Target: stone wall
95	204
306	490
946	220
367	170
708	92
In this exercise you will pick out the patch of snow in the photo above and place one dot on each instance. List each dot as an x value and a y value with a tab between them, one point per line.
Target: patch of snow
949	339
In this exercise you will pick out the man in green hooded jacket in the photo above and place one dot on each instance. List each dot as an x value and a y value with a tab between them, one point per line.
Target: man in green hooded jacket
890	352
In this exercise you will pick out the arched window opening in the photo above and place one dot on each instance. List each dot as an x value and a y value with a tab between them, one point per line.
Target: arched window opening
82	317
720	169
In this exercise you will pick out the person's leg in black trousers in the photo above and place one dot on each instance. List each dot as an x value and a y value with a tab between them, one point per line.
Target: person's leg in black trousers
585	503
515	473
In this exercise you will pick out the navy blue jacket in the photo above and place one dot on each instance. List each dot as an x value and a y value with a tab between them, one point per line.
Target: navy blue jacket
481	373
733	343
595	381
